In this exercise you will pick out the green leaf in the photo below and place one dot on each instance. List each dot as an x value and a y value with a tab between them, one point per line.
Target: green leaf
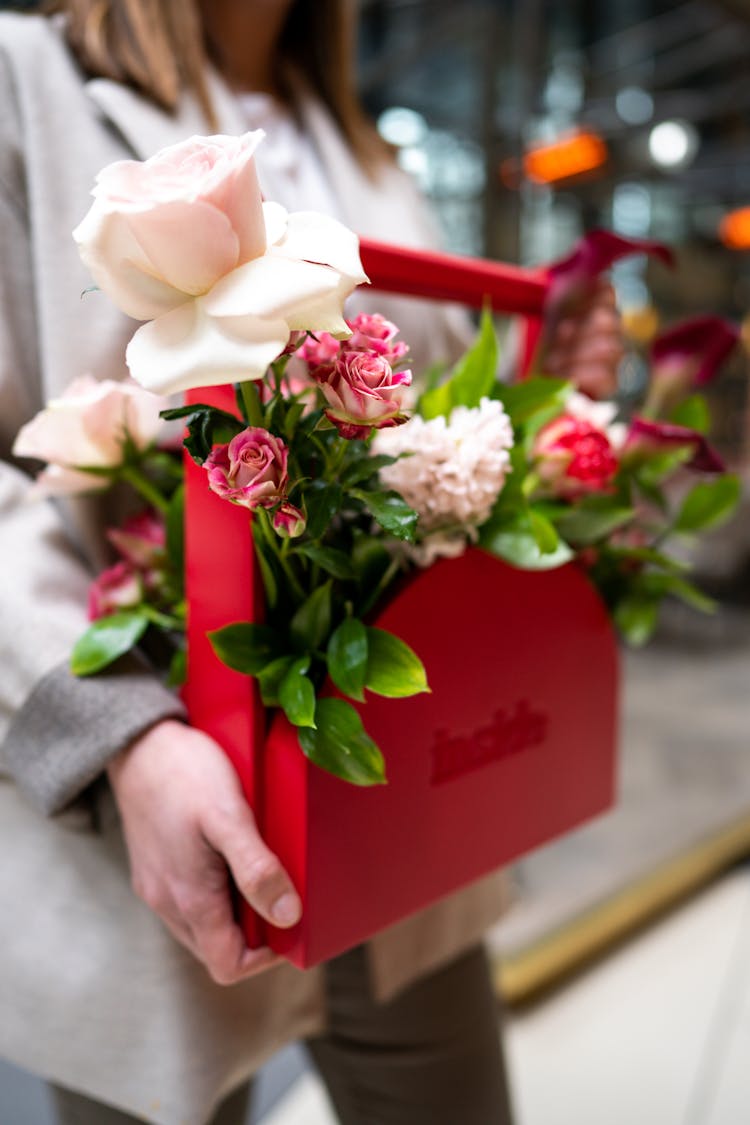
693	413
473	377
347	657
530	396
245	646
709	504
340	744
513	540
330	560
297	694
177	669
393	669
391	511
544	532
174	414
175	530
664	585
593	519
366	467
635	617
106	640
322	502
311	623
269	680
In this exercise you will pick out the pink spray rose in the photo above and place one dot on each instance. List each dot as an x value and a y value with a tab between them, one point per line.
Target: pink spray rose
184	241
574	457
363	393
141	541
251	470
119	587
371	332
288	521
319	350
87	427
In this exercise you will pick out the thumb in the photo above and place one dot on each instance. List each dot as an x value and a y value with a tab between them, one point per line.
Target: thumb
257	872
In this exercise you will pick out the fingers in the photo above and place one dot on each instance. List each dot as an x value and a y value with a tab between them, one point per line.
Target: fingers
258	874
587	346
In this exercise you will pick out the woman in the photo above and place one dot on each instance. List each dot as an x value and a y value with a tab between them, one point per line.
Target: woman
97	995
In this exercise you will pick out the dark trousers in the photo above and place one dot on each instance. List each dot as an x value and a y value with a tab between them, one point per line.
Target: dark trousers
431	1056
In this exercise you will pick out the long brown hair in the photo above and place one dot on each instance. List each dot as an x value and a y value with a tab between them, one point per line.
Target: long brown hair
157	46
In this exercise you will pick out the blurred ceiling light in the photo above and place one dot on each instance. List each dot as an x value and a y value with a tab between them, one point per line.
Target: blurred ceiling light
673	144
402	127
640	324
734	229
634	105
567	157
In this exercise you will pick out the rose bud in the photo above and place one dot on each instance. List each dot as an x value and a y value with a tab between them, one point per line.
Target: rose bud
251	470
363	393
288	521
118	587
574	457
319	350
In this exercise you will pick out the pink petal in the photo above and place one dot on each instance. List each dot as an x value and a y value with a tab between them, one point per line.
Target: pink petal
703	342
572	276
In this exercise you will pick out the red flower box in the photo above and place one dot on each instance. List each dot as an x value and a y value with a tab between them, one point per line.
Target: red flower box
515	745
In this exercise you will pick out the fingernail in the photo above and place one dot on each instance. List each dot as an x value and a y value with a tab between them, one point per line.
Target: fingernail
286	910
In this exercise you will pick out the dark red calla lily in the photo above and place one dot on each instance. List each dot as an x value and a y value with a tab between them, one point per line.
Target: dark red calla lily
573	276
647	437
692	352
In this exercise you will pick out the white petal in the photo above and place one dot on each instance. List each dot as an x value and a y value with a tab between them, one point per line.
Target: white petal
312	237
56	480
187	348
270	286
276	219
120	268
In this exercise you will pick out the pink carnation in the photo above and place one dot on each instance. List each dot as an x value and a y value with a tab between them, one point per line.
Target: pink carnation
251	470
363	393
574	457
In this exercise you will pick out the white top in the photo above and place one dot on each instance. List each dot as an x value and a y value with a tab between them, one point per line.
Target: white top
289	169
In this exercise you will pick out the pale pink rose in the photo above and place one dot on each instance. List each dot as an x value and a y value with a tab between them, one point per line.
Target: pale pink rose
141	541
117	588
185	242
371	332
251	470
87	427
363	393
574	457
288	521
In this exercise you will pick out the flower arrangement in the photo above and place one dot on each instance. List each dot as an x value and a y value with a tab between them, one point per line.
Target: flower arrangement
350	481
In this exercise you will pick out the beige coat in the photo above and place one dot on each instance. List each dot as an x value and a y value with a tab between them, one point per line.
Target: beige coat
94	993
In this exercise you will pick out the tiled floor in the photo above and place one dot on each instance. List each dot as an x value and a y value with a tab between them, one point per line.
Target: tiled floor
656	1034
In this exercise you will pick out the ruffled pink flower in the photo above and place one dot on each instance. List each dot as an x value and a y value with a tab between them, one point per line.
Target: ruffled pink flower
141	541
251	470
288	521
363	393
119	587
646	438
371	332
574	457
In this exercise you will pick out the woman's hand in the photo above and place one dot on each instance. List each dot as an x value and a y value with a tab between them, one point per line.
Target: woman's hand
187	825
585	345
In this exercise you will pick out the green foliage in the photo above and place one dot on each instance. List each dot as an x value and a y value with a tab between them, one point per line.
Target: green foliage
106	640
393	669
517	540
246	647
693	413
340	744
347	657
709	504
391	511
297	694
472	379
311	623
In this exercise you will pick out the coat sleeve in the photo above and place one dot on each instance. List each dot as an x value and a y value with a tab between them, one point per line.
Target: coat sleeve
57	731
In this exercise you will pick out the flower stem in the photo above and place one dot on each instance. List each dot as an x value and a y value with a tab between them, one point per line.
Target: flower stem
277	547
251	403
144	487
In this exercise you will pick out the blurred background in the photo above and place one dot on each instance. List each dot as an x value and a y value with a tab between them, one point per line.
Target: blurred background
624	960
